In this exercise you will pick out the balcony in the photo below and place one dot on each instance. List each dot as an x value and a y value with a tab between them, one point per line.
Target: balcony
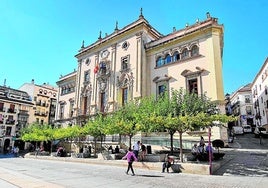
23	112
10	122
38	103
12	111
44	114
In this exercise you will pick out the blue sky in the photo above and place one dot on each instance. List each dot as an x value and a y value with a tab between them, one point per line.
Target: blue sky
39	38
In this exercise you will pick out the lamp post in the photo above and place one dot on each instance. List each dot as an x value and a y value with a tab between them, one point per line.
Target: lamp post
209	150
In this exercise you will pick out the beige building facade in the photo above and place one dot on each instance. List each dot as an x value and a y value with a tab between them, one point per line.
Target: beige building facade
138	61
44	98
66	97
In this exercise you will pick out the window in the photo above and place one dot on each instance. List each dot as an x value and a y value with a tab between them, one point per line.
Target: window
248	110
192	86
161	87
184	54
124	96
159	62
124	63
194	51
102	100
1	118
247	99
71	109
61	111
1	107
8	130
84	106
168	59
86	77
11	108
176	56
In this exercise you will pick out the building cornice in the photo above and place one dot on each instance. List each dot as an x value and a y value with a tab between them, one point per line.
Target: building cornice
141	22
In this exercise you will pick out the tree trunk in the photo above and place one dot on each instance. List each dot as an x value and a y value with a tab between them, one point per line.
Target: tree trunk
171	143
181	152
130	136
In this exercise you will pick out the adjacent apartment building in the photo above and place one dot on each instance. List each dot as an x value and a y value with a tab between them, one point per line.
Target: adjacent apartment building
137	61
66	98
240	104
44	98
15	108
259	90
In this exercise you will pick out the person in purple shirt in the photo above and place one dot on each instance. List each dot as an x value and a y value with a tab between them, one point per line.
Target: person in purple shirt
130	157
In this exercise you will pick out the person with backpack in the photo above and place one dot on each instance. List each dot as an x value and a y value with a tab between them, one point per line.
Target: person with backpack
130	157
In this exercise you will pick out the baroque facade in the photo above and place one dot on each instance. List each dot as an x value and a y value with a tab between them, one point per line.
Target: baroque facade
137	61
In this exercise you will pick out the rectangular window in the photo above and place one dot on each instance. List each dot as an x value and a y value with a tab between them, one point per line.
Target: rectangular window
248	110
71	109
192	86
12	108
161	89
247	99
87	76
1	107
1	118
125	63
124	96
85	106
61	111
8	130
102	102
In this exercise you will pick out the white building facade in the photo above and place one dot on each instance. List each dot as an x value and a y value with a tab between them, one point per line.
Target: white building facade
260	96
242	105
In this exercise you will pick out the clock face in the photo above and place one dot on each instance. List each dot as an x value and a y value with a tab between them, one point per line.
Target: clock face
104	54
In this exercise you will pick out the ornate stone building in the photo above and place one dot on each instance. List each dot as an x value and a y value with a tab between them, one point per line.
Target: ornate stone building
137	61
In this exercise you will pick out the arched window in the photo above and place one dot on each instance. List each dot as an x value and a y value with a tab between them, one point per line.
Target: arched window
176	56
184	54
194	51
168	59
159	62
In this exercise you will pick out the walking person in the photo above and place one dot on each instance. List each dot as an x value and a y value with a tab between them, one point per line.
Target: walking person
143	152
136	149
130	156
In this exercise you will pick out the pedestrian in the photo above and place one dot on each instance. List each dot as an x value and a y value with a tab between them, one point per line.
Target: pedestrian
143	152
202	141
136	149
130	156
167	164
116	150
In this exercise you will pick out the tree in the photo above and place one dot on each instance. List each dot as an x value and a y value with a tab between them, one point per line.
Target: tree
96	128
126	120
